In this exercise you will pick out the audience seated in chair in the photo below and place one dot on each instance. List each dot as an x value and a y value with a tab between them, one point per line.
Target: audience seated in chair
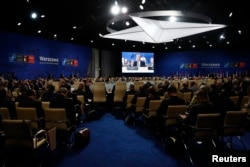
8	103
172	99
49	94
30	101
62	101
202	107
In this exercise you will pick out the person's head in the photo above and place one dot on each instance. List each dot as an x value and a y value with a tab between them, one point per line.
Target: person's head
63	91
172	90
131	87
192	83
67	86
80	86
31	93
185	85
51	88
204	88
202	96
23	88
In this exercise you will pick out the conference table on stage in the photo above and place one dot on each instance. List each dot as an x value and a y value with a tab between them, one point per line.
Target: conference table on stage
137	70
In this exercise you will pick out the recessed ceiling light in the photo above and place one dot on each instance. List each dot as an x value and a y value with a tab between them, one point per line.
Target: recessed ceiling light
231	14
19	23
33	15
124	9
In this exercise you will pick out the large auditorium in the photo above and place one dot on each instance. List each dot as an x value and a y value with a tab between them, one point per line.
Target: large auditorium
124	83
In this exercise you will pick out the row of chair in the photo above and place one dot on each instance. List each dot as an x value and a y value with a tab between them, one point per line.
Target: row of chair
54	118
209	127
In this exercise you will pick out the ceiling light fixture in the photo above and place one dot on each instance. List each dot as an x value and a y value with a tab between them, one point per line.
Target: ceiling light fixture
33	15
160	31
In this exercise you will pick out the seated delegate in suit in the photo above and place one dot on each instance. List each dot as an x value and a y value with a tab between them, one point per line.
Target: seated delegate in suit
7	102
31	101
201	107
172	99
49	94
62	101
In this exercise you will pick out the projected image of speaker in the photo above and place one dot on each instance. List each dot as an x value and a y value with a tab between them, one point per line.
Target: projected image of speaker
137	62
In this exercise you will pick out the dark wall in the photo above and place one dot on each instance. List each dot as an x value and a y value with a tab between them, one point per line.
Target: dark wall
58	57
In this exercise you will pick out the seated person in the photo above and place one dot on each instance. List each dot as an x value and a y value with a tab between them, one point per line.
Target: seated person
201	107
22	95
62	101
152	95
172	99
31	101
7	102
49	94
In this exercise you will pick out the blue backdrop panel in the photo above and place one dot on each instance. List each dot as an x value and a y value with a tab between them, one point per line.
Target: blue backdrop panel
48	56
207	62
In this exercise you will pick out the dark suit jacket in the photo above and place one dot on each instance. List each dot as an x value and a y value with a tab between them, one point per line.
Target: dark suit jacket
200	108
142	64
33	103
172	100
62	102
74	98
48	96
10	105
130	92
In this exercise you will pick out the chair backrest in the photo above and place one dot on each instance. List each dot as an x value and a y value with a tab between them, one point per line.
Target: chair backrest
45	104
99	93
244	101
139	106
129	100
187	96
4	111
56	117
207	126
235	100
235	123
120	89
27	113
18	134
16	103
153	106
173	112
80	98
